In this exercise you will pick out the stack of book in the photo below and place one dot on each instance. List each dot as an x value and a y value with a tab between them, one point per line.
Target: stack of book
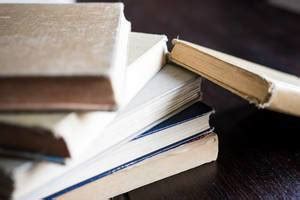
89	109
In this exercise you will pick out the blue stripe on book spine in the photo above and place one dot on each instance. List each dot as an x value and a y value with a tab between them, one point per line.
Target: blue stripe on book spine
130	163
196	110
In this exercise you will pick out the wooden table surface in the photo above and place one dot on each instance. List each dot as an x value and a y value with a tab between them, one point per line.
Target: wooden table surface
259	150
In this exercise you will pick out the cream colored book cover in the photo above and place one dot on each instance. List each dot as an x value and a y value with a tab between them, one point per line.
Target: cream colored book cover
55	134
62	56
156	168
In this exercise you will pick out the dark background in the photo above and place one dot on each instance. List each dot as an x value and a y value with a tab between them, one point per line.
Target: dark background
259	150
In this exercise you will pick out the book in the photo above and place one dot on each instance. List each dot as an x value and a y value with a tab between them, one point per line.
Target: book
185	126
52	135
172	161
76	51
263	86
169	92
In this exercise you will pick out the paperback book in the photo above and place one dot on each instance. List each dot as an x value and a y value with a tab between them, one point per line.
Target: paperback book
185	126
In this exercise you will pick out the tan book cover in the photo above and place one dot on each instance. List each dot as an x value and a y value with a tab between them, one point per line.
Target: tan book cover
127	167
263	86
164	165
54	133
62	56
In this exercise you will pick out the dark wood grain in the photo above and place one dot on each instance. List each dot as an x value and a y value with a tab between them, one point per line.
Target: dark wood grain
259	150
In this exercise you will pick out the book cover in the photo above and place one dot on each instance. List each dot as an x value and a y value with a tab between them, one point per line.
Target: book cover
149	108
76	51
50	133
167	163
183	126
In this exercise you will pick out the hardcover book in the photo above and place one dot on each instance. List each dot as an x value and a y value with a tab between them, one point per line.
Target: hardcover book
263	86
62	56
66	134
169	92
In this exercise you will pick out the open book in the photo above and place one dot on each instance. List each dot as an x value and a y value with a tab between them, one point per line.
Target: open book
263	86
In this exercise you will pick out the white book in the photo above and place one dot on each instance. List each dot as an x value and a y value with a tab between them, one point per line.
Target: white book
76	51
68	134
165	94
149	170
187	125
